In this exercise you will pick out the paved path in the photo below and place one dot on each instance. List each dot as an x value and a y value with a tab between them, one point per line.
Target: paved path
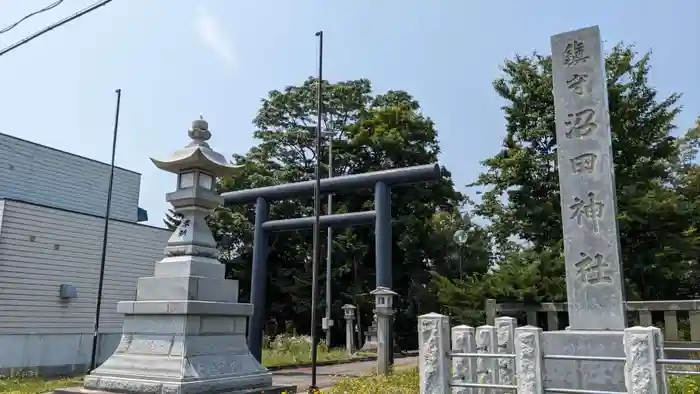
326	376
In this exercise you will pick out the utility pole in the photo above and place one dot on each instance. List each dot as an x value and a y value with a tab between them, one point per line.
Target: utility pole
47	29
103	258
329	245
313	388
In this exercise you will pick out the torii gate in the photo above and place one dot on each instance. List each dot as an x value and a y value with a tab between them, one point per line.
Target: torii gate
381	181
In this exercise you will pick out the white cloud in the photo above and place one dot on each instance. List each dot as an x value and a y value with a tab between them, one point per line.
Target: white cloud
213	36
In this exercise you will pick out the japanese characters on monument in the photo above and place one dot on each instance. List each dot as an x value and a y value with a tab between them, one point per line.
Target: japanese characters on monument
587	182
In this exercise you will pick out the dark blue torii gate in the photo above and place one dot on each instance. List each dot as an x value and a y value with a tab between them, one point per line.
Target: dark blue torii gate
381	215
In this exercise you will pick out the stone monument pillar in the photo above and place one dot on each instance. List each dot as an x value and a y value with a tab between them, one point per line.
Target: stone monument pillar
385	312
594	284
185	333
349	314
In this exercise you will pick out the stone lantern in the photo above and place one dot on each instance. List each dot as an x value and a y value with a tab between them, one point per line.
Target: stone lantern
370	345
384	299
197	166
185	333
349	314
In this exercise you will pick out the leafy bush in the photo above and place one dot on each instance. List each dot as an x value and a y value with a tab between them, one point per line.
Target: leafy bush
684	385
287	349
404	382
294	344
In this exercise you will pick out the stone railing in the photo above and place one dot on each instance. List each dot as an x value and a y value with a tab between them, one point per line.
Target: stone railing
643	309
502	358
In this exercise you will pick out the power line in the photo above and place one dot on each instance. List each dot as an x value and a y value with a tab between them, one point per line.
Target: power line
55	25
48	7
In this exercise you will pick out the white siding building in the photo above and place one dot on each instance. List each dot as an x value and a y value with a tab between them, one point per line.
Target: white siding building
52	207
35	173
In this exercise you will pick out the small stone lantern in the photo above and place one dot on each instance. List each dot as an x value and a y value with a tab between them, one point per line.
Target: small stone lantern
349	314
384	299
185	332
370	345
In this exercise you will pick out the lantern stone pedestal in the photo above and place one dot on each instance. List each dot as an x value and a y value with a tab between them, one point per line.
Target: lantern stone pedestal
185	333
385	311
349	314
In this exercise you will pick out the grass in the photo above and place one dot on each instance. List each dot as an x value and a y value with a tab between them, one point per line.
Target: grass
276	358
27	384
403	381
294	350
684	384
283	350
406	382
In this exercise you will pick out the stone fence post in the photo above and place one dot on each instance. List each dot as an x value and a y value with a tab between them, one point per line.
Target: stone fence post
643	346
463	369
505	332
529	360
490	311
433	360
486	367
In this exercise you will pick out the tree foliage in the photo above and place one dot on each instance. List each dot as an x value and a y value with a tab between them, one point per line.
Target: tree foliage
371	132
518	254
172	219
655	184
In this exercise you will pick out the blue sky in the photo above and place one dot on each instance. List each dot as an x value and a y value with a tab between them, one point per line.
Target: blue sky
177	59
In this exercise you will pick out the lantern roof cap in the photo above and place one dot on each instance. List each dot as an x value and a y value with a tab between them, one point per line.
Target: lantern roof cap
381	290
197	154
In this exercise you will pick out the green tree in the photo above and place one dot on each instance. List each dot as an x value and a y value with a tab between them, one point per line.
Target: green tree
172	219
455	260
654	173
371	132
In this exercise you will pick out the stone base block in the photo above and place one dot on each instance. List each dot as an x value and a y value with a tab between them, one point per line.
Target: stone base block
263	390
370	341
186	288
584	375
184	374
191	385
180	354
369	346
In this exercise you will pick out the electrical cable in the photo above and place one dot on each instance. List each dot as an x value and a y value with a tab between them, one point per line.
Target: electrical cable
47	8
47	29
